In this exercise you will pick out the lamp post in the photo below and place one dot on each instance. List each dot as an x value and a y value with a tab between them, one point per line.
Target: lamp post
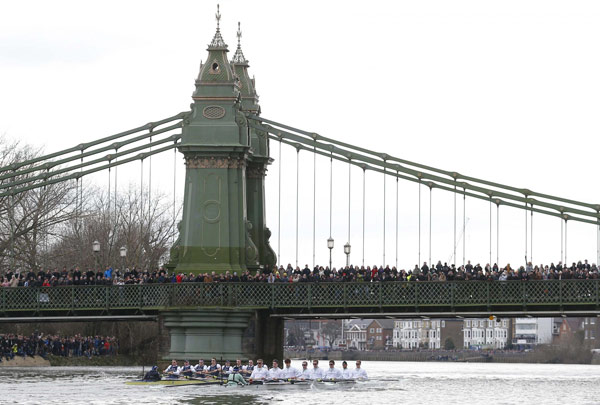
123	253
96	250
330	247
347	252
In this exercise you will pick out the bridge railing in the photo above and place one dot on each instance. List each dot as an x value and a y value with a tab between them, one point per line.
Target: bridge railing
415	295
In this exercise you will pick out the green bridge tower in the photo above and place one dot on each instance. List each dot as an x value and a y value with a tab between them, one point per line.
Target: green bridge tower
223	226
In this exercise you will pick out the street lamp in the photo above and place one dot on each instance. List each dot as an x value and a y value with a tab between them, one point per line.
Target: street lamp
347	252
330	247
96	250
123	253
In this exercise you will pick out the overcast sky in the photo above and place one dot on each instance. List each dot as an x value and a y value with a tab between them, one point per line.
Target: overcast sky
504	91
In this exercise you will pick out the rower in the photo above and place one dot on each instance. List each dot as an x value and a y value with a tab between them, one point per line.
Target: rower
359	373
226	369
346	372
332	373
275	372
316	373
152	375
238	366
214	368
288	372
173	370
305	372
186	370
200	368
260	372
247	370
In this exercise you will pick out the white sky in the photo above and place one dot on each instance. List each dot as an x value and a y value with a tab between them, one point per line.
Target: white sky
505	91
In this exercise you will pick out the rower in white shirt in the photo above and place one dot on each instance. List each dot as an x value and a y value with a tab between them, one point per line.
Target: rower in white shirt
173	370
288	372
199	368
260	372
359	373
346	372
305	372
315	372
275	371
332	373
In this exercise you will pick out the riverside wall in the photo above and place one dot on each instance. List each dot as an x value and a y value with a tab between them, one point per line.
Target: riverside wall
437	355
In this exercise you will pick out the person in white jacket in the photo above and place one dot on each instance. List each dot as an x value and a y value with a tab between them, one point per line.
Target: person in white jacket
346	372
359	373
316	373
275	371
288	372
260	371
332	373
305	372
173	370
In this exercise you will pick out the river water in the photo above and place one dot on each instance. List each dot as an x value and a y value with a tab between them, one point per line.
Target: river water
394	382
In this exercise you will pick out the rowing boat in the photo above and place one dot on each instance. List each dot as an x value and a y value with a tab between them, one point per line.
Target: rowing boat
172	382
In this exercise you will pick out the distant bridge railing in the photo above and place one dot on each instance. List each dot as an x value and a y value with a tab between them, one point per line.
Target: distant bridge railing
330	297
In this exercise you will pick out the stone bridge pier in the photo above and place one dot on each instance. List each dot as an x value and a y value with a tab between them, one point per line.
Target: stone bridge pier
225	334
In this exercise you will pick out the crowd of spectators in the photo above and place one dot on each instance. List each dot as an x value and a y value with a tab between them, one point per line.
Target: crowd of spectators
38	344
289	274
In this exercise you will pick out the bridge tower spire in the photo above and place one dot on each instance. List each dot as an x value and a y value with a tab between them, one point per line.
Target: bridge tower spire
214	231
258	160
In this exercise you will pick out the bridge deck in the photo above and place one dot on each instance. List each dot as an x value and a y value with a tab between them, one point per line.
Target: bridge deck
310	299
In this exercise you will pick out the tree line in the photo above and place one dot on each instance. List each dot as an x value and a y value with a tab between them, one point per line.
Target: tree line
55	226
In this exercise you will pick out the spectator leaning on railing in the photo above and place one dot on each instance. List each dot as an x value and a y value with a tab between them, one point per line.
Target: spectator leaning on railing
439	273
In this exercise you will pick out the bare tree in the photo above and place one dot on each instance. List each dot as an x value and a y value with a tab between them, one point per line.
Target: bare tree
145	230
28	214
331	331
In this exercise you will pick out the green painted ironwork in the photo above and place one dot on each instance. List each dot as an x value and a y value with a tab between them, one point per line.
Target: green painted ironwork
450	297
359	156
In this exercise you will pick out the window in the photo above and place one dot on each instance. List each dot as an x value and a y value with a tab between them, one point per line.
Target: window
443	324
379	337
504	323
593	321
372	330
378	330
468	324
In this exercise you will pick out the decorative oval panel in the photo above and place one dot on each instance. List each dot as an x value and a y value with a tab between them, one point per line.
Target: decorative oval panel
213	112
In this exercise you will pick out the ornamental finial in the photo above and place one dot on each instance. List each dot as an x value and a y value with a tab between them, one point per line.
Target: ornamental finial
238	57
217	41
218	17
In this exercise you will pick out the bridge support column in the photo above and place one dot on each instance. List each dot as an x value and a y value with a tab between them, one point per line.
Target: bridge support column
269	337
205	333
226	334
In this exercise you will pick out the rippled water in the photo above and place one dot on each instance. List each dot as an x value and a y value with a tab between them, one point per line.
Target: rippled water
397	382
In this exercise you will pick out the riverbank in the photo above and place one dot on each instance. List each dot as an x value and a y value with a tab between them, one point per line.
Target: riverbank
25	362
82	361
470	356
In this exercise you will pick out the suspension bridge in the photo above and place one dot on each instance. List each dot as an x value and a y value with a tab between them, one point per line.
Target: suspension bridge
226	144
